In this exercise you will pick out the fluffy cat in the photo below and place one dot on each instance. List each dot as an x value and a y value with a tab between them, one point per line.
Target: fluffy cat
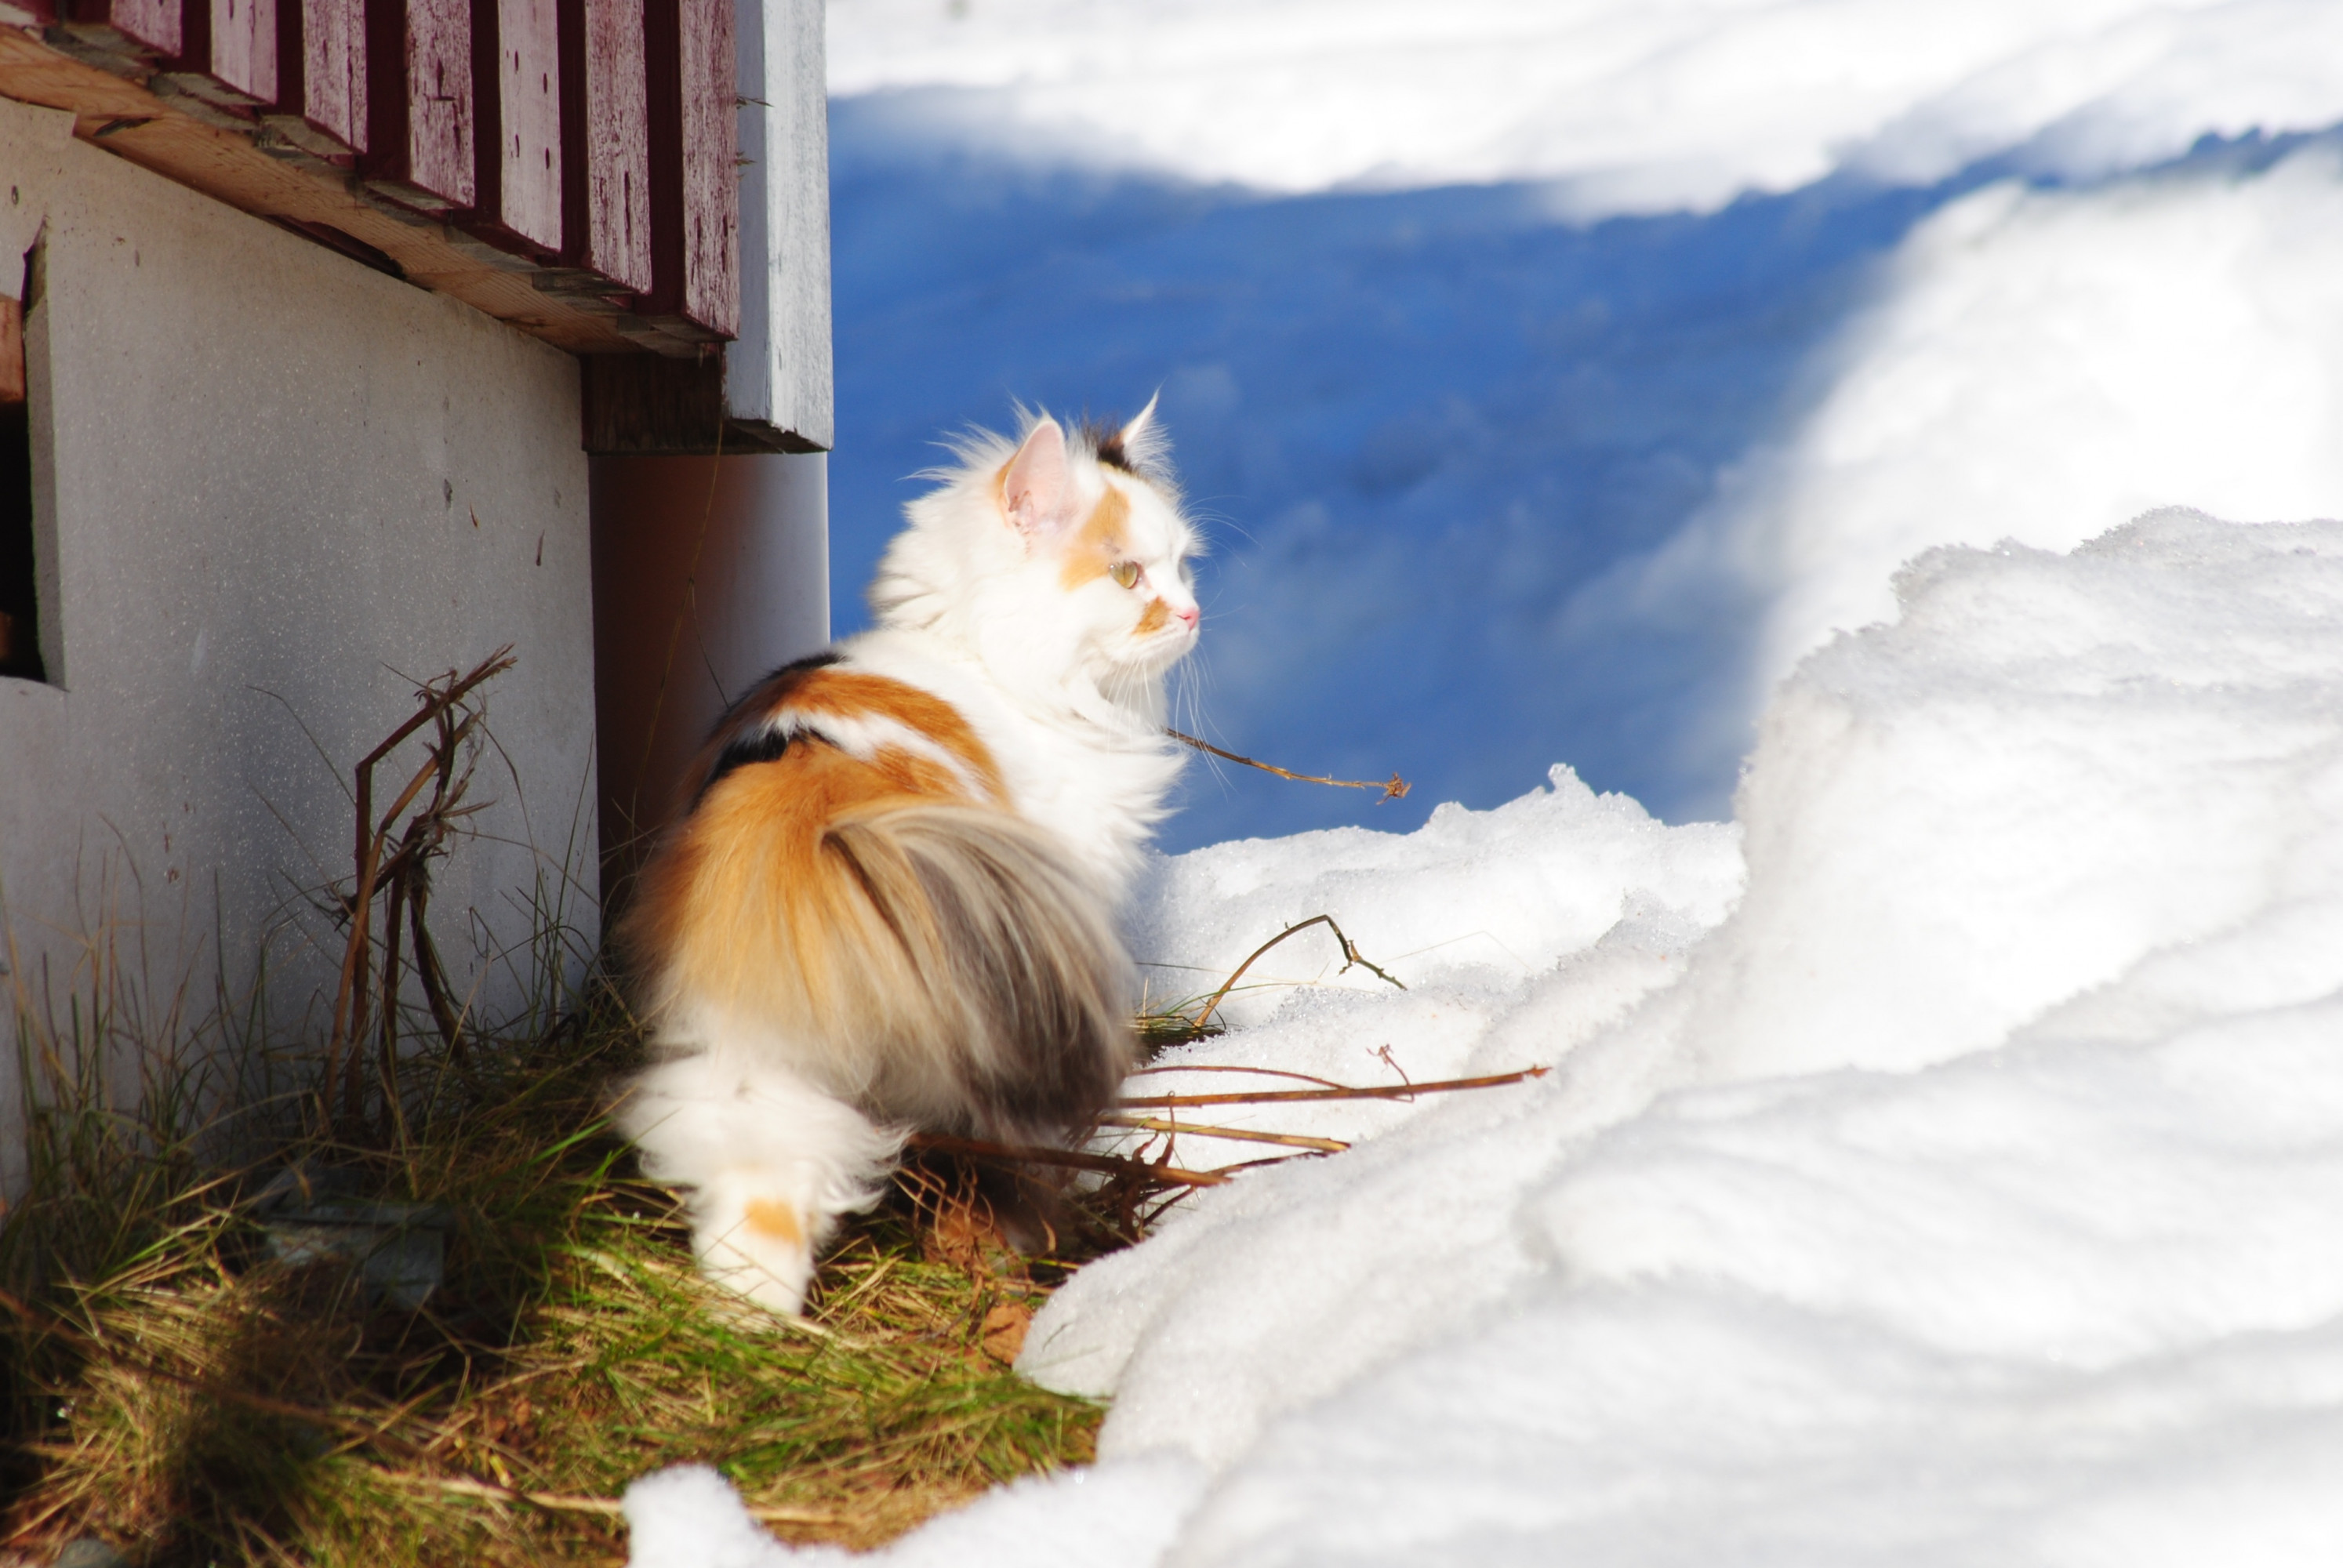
891	902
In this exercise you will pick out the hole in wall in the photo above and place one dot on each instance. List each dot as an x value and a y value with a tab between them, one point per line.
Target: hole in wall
20	626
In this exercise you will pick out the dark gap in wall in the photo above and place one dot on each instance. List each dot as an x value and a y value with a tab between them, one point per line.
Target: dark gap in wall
20	630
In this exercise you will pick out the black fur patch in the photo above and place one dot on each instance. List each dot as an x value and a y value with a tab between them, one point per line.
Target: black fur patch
757	741
1106	441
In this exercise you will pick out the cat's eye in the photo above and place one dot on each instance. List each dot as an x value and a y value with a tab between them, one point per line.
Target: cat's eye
1124	573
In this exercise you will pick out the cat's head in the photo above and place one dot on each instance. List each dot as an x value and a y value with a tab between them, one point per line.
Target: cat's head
1060	554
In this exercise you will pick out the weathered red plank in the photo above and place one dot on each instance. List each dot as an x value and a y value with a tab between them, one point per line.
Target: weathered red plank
321	69
695	186
519	46
607	141
711	171
149	25
132	29
420	91
243	54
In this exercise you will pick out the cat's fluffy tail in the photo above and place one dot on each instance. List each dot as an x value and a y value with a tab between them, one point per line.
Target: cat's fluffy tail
1025	987
941	964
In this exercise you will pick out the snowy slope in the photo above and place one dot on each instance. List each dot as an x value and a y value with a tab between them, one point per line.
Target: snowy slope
1966	1197
1625	107
1495	484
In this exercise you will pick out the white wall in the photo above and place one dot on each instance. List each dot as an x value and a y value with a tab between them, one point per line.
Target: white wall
273	487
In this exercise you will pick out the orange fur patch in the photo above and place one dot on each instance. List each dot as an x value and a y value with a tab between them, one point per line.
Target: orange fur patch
1095	548
1156	617
774	1220
850	694
832	901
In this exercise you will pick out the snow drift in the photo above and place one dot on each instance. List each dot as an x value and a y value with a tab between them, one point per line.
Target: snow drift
1625	109
1965	1194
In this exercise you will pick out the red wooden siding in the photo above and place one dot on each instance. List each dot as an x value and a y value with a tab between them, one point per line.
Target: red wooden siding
597	141
694	201
322	72
519	46
606	113
420	94
712	173
148	25
243	56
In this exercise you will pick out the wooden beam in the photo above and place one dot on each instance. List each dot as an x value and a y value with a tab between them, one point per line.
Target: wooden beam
517	43
606	127
778	370
12	352
643	405
420	98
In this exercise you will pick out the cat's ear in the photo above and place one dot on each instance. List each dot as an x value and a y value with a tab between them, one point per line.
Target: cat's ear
1136	434
1143	444
1037	491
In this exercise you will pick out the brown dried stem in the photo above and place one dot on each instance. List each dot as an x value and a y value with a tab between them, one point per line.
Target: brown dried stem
1242	1134
1288	1096
1393	789
1074	1160
404	876
1350	955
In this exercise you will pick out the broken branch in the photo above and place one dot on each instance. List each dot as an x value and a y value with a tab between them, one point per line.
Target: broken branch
1282	1096
1036	1154
1350	956
1242	1134
1393	789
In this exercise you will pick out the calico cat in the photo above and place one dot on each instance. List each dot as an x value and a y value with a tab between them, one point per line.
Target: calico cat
891	904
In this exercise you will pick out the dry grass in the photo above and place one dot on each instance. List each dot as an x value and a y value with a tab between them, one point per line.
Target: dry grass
172	1391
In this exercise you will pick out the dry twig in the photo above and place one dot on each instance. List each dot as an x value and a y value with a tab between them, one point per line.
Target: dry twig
402	878
1072	1158
1282	1096
1393	789
1242	1134
1350	955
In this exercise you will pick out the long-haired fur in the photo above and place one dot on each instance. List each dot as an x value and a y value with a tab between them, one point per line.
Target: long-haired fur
890	901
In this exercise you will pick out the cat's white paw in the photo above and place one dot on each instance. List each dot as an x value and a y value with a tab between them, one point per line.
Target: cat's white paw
756	1240
767	1163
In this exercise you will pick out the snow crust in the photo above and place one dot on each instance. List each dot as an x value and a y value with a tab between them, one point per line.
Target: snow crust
1626	108
1963	1193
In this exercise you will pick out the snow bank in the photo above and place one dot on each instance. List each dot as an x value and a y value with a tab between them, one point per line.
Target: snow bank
2041	366
1462	913
1629	107
1970	1197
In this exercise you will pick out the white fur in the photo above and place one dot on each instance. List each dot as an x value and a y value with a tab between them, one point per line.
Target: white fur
1070	700
1068	695
736	1135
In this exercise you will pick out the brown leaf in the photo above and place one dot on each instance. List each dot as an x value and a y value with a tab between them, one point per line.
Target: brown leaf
1004	1330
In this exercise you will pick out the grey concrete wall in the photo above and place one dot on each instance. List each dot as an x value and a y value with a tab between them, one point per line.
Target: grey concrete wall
273	488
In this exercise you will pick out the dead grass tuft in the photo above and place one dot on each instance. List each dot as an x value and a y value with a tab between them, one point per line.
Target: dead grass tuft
181	1395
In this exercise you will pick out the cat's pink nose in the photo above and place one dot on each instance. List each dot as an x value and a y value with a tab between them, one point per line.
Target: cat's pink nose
1189	616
